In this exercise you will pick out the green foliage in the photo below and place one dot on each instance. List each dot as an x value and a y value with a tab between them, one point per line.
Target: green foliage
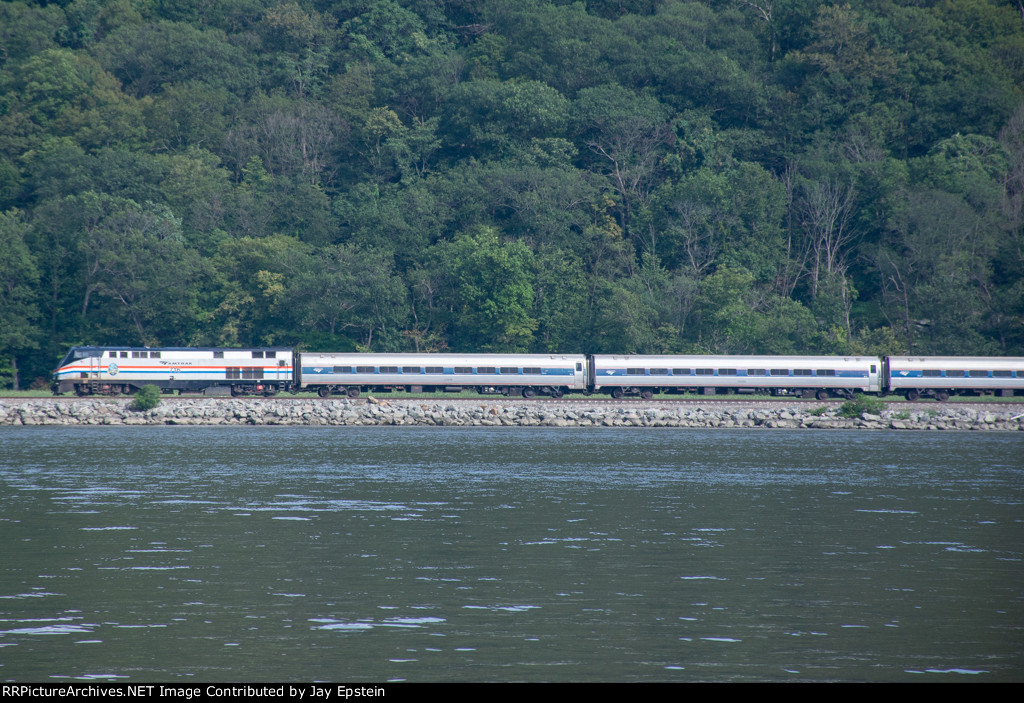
146	398
861	404
652	176
492	292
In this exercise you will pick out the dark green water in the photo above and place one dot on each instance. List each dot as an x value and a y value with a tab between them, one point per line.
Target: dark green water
261	554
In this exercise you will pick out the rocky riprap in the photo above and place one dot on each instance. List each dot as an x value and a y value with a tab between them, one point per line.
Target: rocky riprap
464	413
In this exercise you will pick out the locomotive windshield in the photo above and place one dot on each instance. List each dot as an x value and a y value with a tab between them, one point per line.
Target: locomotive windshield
79	353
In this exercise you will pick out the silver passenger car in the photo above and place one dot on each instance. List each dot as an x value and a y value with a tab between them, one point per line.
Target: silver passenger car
504	374
808	376
943	376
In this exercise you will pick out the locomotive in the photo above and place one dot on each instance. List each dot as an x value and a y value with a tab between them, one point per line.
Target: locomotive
271	370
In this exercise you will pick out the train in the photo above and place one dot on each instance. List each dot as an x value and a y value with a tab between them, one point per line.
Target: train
94	370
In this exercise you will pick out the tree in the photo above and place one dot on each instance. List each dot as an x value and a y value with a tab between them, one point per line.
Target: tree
487	116
18	280
301	45
147	56
826	209
139	264
345	287
737	317
629	136
491	292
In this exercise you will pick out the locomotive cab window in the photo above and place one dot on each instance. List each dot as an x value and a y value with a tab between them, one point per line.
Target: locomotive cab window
257	355
218	355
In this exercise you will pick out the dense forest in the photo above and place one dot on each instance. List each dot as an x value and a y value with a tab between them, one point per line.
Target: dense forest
648	176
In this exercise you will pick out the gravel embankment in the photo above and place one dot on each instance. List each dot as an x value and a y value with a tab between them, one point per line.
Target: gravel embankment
589	413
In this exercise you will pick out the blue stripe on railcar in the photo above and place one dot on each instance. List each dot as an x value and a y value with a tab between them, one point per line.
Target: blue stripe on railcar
943	373
448	371
739	373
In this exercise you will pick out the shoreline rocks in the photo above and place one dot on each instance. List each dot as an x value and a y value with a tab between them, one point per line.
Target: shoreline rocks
504	413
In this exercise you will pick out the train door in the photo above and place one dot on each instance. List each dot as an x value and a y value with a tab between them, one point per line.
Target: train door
95	367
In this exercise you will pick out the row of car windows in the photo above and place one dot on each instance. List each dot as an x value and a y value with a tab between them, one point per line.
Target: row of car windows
974	373
507	370
133	355
729	372
156	354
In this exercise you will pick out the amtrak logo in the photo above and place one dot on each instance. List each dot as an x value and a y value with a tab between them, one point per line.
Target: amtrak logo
112	369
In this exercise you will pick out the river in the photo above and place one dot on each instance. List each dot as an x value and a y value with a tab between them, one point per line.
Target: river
191	554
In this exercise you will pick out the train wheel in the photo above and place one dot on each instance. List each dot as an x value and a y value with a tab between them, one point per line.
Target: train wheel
352	392
529	392
822	394
942	396
912	395
646	394
324	392
617	393
557	393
